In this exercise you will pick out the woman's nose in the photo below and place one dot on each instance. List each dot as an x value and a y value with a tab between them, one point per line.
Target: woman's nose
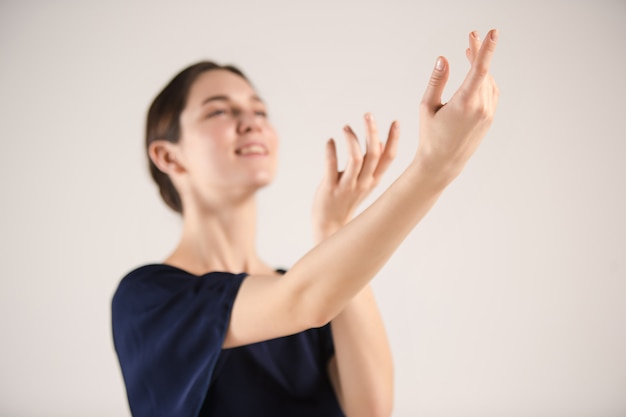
248	122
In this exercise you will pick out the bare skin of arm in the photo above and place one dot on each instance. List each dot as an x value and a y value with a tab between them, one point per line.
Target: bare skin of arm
361	371
322	284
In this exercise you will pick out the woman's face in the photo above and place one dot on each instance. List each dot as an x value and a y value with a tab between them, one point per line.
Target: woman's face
227	142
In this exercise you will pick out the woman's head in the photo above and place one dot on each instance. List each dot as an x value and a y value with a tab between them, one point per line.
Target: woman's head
205	121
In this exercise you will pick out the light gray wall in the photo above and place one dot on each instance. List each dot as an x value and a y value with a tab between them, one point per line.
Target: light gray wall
508	300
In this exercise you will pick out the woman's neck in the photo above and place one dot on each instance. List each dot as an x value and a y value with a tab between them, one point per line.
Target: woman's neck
219	239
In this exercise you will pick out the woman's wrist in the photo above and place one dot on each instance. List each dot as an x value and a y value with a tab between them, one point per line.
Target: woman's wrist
431	174
322	232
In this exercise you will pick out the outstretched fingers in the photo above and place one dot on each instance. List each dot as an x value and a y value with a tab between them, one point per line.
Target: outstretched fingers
332	173
389	151
480	63
449	135
373	152
365	171
474	46
355	158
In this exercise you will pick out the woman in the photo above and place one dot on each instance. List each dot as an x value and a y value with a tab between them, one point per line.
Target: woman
215	331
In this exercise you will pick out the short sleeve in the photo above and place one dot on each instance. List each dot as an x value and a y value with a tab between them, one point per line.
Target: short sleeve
168	330
327	342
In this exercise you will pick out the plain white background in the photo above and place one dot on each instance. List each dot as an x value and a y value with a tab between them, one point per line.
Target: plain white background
509	299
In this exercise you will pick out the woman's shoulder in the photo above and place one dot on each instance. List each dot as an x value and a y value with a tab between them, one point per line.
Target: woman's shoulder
143	281
152	270
158	272
151	274
158	281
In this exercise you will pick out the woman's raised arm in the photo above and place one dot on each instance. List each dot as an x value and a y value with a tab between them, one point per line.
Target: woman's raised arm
321	283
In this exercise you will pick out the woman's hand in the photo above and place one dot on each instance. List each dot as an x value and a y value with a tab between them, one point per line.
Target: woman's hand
450	133
340	193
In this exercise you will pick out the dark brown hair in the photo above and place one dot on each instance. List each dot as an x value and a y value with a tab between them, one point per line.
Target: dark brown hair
163	121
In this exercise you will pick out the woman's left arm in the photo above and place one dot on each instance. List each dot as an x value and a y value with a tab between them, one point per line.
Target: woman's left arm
361	371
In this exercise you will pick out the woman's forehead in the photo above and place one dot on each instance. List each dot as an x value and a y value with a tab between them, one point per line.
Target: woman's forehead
220	83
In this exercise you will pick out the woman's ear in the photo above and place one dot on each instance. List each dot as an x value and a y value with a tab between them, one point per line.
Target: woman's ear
163	154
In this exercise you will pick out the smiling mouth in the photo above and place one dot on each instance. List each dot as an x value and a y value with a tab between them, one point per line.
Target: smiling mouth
252	149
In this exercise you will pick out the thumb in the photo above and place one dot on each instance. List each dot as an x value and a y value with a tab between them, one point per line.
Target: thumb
436	84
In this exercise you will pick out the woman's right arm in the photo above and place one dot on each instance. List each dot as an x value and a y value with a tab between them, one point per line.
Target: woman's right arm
323	281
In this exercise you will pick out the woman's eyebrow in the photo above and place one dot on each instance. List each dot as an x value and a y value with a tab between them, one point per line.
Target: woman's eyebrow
214	98
226	98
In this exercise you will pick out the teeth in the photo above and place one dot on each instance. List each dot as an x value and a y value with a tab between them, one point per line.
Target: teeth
252	149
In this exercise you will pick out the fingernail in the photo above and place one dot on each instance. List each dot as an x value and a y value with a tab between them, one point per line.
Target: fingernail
475	35
494	35
346	128
368	117
439	64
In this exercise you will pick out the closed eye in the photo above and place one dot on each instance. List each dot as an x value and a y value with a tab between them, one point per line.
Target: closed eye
216	113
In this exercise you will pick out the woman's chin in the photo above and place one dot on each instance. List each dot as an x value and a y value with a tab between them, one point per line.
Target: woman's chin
263	178
263	181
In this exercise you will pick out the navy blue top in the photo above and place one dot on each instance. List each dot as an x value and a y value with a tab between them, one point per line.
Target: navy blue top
168	330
